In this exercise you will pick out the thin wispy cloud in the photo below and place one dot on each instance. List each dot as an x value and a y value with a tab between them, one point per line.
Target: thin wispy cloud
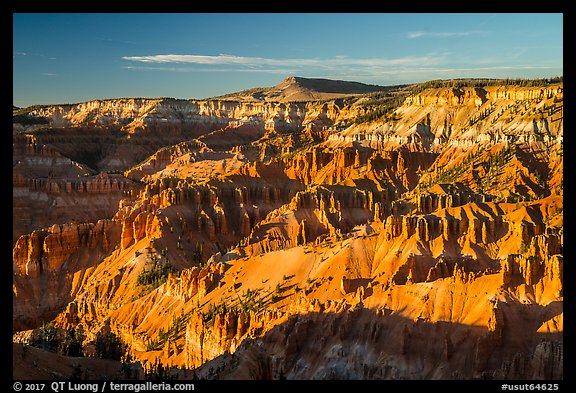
444	34
190	69
32	55
432	64
263	61
302	66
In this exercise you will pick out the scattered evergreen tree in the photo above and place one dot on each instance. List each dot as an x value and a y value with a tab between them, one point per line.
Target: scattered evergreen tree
197	256
158	372
109	346
156	275
72	343
46	338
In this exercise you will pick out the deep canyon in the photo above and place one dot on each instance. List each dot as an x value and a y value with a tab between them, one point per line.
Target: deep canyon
312	230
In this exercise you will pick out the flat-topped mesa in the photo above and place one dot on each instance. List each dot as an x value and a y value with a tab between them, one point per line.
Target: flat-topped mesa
328	85
298	89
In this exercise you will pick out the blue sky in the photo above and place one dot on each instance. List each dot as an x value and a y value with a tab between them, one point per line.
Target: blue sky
69	58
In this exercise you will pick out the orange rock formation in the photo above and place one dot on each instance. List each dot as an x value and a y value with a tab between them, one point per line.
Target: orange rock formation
264	240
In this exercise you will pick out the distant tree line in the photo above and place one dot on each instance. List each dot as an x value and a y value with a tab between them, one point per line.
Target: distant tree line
29	120
484	82
71	342
27	110
382	106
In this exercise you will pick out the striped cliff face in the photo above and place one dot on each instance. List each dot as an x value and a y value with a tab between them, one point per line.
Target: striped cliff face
132	114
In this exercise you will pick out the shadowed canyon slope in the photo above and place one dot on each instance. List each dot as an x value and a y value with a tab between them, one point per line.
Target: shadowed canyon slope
314	230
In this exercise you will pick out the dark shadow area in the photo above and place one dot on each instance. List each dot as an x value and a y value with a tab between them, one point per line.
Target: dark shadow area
363	344
356	283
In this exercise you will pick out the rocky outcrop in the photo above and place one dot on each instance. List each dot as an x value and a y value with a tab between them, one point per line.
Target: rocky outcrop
50	264
163	157
194	282
478	96
44	251
230	211
540	272
429	202
50	187
466	117
312	215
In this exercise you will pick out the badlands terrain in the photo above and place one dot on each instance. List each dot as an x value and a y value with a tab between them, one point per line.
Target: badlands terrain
312	230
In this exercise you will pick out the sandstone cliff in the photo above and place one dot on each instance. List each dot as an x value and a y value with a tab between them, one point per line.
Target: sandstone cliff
51	265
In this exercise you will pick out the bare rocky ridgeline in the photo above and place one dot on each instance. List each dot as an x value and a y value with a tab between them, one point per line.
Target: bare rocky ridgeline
415	232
